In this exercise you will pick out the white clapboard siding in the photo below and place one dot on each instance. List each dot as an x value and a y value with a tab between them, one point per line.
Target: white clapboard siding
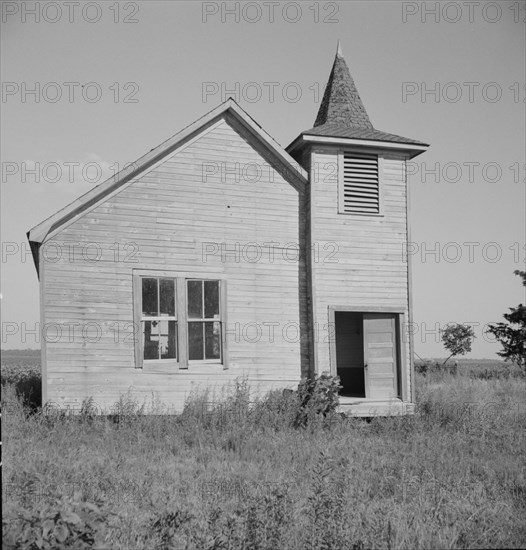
369	268
170	215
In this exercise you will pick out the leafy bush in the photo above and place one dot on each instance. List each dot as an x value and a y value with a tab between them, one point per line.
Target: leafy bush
317	396
59	524
27	380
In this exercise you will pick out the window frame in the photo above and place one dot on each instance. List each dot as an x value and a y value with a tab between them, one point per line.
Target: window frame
159	318
182	362
341	182
204	320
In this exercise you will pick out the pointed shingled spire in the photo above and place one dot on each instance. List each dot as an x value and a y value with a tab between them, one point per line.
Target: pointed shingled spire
342	114
341	104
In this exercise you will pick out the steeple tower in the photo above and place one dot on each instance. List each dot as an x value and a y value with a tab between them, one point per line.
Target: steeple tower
342	116
341	104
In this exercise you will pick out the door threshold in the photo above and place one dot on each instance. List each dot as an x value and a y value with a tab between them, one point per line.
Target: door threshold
347	399
367	407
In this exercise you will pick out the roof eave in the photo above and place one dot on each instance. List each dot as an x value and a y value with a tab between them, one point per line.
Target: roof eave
34	247
305	139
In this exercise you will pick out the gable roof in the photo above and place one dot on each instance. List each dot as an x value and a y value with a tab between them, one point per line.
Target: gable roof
228	109
342	113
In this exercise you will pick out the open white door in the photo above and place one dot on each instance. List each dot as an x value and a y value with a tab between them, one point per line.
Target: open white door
380	355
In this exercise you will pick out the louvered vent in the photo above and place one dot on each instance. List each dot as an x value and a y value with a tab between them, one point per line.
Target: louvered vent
360	190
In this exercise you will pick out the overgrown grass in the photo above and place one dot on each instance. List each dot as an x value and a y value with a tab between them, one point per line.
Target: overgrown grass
248	475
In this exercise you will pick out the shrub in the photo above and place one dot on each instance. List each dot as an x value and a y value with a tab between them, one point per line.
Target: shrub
59	524
317	396
27	380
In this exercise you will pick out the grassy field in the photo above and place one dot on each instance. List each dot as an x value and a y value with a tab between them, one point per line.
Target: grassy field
452	476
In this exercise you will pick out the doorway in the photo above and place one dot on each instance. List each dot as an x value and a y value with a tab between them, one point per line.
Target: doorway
350	353
367	354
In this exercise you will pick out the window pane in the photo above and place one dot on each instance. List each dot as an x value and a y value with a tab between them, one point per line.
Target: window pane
150	340
168	339
195	299
213	340
195	341
167	298
149	297
211	299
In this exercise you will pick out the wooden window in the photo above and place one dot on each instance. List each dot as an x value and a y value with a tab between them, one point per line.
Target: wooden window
180	320
204	320
359	183
158	319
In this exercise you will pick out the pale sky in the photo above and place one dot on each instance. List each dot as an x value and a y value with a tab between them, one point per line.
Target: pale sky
150	75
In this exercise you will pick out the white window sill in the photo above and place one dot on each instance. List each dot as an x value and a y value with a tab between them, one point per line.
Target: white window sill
172	367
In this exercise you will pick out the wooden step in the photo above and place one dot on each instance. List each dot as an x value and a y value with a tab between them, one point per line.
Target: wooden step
369	407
